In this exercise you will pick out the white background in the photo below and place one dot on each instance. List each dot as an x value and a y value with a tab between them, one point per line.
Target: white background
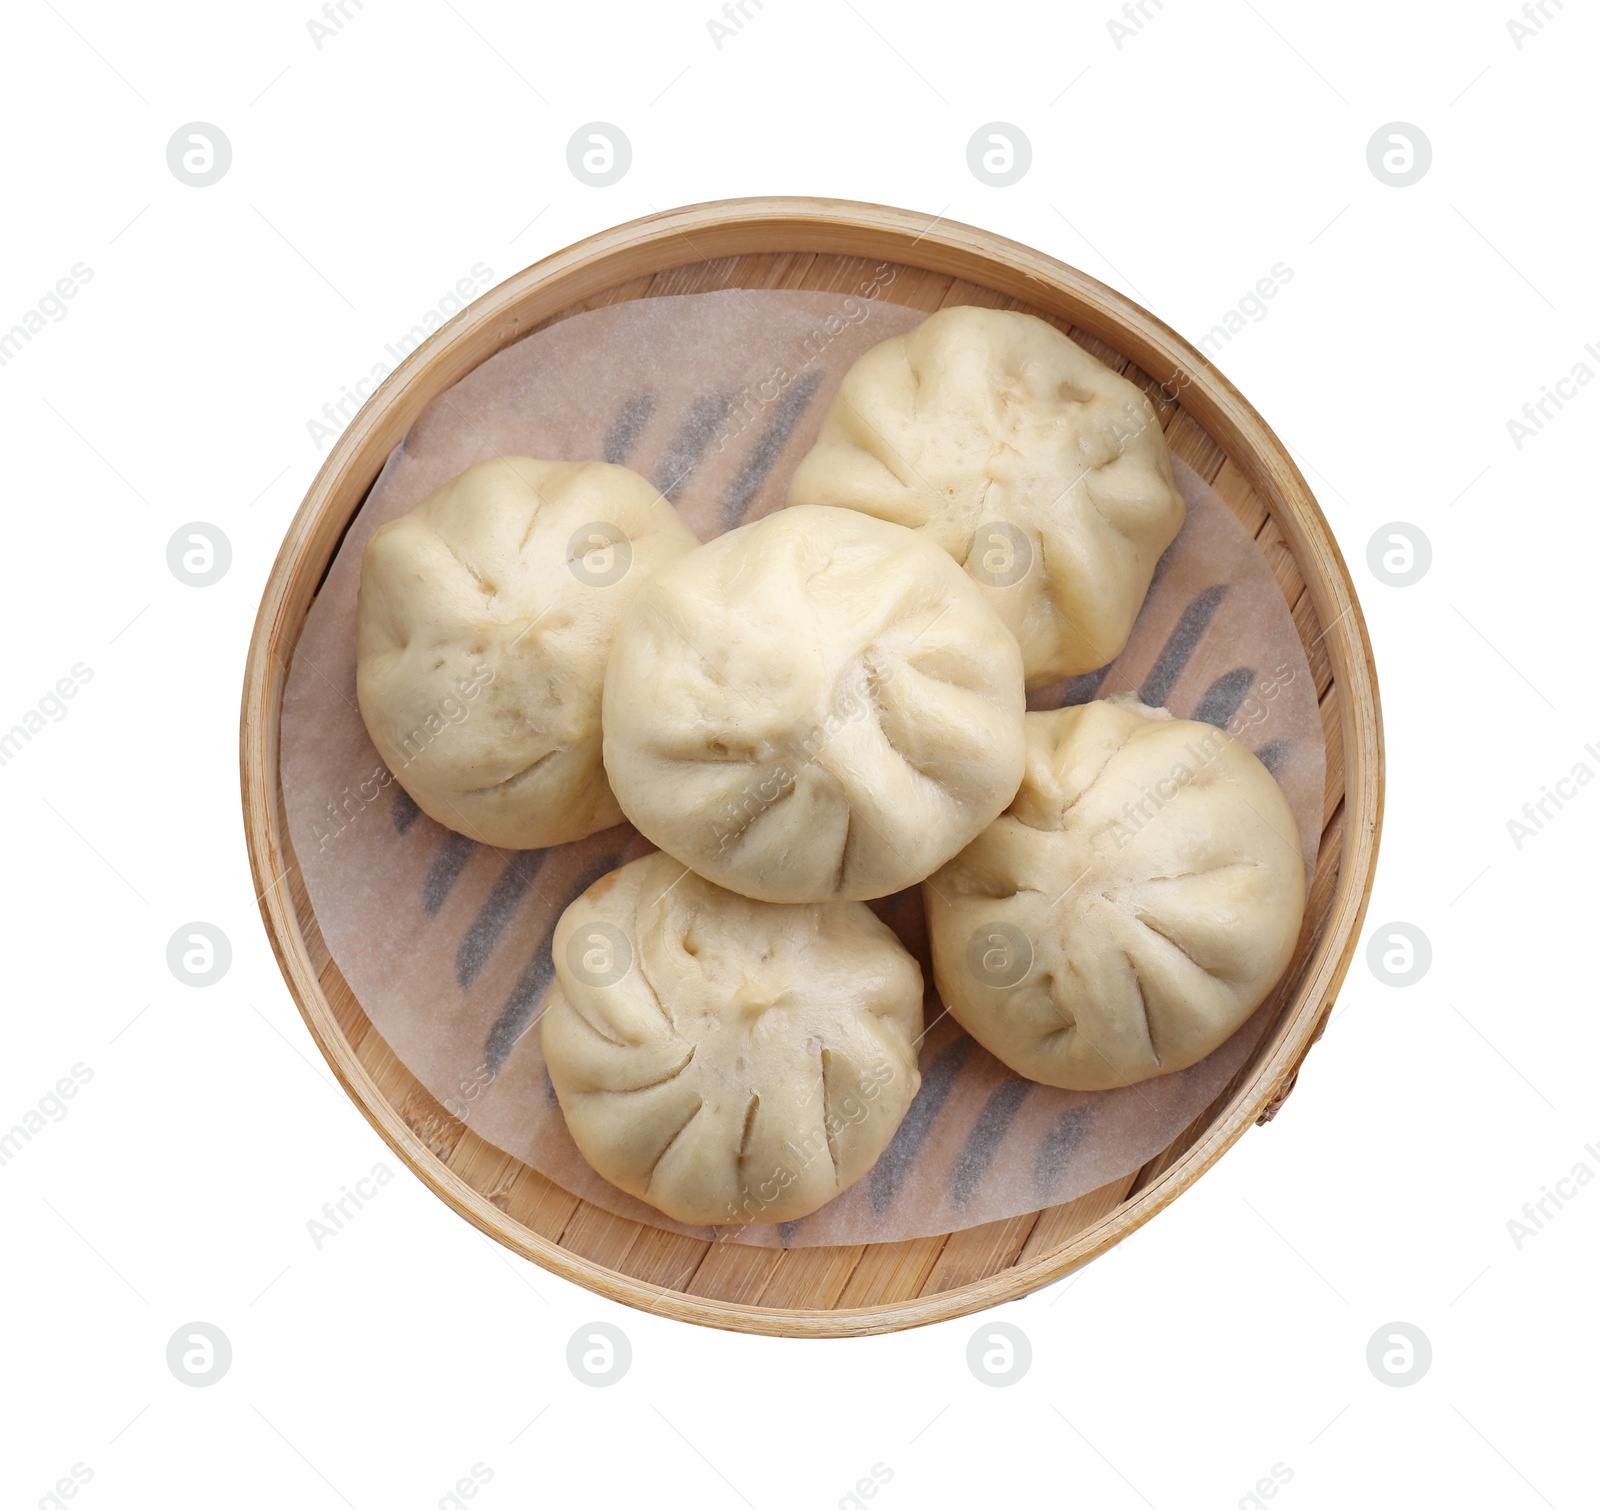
368	175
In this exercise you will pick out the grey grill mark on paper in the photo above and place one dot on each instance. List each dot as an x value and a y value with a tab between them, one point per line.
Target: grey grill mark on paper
689	444
518	1011
1180	646
768	448
405	810
1222	698
1273	754
1083	689
998	1113
447	866
896	1161
1058	1146
479	940
1166	557
627	427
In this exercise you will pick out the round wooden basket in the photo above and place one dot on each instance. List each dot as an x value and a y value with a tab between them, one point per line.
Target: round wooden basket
827	245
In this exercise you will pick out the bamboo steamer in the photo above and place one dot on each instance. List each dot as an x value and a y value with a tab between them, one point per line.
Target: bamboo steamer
828	245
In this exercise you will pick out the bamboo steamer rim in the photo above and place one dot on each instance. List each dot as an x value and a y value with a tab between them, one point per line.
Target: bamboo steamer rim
732	228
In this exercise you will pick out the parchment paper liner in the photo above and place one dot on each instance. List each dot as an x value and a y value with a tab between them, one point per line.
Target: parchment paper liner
445	942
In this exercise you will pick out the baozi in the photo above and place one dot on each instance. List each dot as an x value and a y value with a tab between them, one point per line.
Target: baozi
728	1060
484	621
1039	469
815	705
1130	910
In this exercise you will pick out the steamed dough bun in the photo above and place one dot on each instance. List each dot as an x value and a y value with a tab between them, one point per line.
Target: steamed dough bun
1130	910
1040	470
724	1059
816	705
484	621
